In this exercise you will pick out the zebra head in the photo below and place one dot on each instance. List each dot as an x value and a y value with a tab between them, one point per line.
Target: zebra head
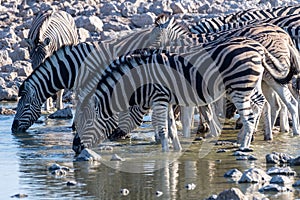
38	51
28	110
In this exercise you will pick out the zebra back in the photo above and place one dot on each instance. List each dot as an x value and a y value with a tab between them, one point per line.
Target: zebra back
50	31
217	24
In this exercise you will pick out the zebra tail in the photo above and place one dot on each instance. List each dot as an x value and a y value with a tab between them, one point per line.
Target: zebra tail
282	77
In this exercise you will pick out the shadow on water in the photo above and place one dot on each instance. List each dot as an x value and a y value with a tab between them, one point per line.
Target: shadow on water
25	159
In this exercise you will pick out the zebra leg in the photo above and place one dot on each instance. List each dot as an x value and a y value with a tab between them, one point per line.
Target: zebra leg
291	103
160	122
59	103
284	119
207	112
268	135
48	104
173	130
187	113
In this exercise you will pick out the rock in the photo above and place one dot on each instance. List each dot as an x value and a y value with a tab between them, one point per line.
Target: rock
23	68
115	157
71	183
276	158
19	196
242	158
92	23
83	34
240	153
19	54
88	155
295	161
4	58
254	175
233	173
281	171
233	193
115	26
106	148
177	8
251	157
124	192
279	179
274	188
65	113
296	184
128	9
158	193
7	111
221	150
212	197
109	9
9	94
190	186
59	172
142	20
54	166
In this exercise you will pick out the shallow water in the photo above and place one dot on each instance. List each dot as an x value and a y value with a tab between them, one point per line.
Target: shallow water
25	158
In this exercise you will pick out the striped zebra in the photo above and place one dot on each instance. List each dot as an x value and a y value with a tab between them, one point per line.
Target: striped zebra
74	68
50	30
205	73
212	25
289	23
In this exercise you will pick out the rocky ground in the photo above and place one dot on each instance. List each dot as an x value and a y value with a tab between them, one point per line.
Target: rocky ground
96	20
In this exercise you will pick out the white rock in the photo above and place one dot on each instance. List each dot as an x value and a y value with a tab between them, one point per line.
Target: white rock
92	23
88	155
124	191
254	175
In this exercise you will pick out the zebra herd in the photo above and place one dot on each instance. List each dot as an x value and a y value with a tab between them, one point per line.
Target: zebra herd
118	81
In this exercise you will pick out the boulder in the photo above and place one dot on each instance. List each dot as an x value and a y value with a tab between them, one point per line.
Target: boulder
142	20
10	94
281	171
128	9
276	158
274	188
92	23
233	194
88	155
233	173
19	53
5	58
65	113
279	179
254	175
109	9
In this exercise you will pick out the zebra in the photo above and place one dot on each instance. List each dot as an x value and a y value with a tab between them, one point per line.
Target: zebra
153	78
212	25
76	71
289	23
50	30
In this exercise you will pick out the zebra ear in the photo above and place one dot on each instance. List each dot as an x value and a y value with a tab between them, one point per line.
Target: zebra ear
46	41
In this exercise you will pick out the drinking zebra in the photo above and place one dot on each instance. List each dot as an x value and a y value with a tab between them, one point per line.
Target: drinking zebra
234	66
77	67
50	30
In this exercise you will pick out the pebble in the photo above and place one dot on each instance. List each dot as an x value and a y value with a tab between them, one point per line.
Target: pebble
190	186
124	192
115	157
71	183
19	196
158	193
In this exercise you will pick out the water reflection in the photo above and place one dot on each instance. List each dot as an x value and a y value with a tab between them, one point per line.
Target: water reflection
25	158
